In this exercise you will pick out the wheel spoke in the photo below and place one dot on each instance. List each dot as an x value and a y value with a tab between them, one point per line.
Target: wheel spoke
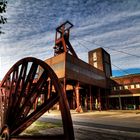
28	83
35	115
30	99
19	91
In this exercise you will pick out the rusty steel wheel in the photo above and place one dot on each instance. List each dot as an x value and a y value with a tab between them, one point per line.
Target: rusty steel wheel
5	133
23	84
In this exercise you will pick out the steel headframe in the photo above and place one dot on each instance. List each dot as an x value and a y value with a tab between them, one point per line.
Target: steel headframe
62	43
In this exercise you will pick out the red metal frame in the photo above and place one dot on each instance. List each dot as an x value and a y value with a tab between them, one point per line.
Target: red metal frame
62	43
19	90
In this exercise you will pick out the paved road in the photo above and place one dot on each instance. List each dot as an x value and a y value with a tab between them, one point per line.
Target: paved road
95	125
104	125
101	125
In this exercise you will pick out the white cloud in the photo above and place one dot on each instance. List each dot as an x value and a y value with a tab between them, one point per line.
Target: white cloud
30	30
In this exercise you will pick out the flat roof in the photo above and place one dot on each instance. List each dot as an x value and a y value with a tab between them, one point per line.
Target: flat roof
125	76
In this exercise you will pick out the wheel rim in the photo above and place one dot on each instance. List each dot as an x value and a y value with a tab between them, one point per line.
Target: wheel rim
20	88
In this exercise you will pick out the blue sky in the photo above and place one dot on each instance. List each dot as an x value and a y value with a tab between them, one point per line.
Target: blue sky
112	24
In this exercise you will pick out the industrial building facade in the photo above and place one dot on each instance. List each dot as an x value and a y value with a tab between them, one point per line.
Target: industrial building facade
79	80
89	86
125	92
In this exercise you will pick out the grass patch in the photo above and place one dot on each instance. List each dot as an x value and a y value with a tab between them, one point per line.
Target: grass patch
39	126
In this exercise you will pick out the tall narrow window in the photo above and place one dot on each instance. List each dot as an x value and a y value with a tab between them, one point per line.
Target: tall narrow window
95	64
120	88
114	88
94	56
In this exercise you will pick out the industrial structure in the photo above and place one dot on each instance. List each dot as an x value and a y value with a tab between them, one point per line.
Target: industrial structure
89	86
83	83
32	87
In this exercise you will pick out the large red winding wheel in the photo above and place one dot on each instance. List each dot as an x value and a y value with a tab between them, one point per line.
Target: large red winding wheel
19	90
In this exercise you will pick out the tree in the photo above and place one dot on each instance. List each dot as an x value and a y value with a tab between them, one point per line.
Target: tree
3	20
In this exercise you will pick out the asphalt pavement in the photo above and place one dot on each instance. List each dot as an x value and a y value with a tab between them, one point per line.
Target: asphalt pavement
98	125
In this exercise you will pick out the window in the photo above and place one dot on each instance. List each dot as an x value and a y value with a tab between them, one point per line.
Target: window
137	85
132	86
114	88
120	87
95	64
94	56
126	87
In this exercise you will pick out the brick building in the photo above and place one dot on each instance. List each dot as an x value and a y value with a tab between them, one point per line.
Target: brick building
125	92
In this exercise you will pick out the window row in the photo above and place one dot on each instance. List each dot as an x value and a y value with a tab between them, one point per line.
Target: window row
122	87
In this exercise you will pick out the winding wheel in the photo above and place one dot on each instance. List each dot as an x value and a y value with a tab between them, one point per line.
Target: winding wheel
23	84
